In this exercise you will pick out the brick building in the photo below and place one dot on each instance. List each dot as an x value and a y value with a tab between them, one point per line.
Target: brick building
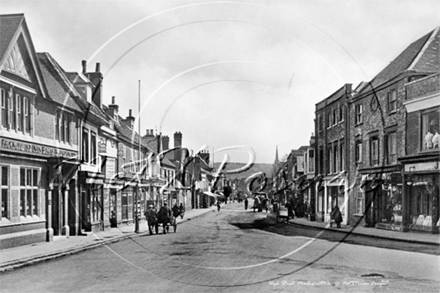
331	146
378	132
420	198
37	132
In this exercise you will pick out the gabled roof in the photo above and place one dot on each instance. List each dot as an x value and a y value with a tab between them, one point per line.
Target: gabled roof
8	27
12	28
59	87
421	56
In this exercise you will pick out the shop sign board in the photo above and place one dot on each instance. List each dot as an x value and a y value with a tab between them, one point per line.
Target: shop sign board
34	149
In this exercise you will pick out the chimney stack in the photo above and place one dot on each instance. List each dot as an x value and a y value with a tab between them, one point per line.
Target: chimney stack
165	142
177	143
84	66
130	119
98	67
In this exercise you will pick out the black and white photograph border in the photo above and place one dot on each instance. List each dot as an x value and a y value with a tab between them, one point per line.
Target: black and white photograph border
304	157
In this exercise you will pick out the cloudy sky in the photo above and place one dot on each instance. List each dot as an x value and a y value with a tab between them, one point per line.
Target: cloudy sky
227	73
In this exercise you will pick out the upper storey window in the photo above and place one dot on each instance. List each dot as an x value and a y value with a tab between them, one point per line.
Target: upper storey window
16	110
62	126
358	113
431	129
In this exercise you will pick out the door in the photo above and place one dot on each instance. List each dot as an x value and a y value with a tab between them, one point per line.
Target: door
113	209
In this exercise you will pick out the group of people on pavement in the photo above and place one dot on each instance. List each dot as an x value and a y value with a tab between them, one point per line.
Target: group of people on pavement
163	216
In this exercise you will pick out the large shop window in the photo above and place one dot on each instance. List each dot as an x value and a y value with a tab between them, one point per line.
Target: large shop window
424	201
96	204
15	111
374	151
4	175
431	129
29	179
359	203
124	204
389	204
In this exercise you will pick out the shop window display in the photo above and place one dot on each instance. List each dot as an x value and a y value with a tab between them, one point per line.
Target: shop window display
391	203
424	203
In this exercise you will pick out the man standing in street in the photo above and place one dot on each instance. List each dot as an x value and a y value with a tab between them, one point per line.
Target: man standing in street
164	217
151	216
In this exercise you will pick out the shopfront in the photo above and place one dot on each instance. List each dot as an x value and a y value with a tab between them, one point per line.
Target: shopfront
331	192
421	196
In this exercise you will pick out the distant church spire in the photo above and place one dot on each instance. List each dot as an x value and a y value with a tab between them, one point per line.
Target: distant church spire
277	161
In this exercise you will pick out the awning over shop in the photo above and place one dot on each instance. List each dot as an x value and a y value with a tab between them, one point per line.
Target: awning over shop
340	182
215	195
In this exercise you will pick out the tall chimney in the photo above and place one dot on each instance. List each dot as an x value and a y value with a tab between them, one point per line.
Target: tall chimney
98	67
84	66
165	142
177	143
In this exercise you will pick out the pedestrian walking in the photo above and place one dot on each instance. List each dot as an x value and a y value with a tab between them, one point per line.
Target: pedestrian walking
218	206
164	217
151	216
336	216
176	211
289	207
246	202
181	210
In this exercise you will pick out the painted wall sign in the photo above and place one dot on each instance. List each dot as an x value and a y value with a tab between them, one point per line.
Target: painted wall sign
30	148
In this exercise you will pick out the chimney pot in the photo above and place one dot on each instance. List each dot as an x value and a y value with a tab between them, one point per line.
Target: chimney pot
113	100
98	67
84	66
129	113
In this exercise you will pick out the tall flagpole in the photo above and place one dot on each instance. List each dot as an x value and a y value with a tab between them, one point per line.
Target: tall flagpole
137	216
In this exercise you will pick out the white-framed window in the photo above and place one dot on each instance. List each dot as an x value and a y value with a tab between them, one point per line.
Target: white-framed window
26	115
93	153
374	151
359	205
4	108
29	198
18	112
358	113
358	151
4	186
430	129
392	101
391	149
329	119
85	145
15	111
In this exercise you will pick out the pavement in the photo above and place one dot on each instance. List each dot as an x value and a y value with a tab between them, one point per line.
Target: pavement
25	255
61	246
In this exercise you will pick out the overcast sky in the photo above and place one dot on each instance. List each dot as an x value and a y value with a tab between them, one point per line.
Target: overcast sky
227	73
